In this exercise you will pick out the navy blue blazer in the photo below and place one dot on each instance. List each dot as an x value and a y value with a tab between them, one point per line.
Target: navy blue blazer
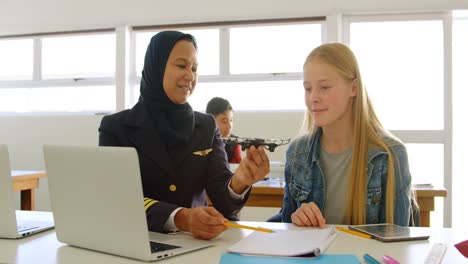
195	167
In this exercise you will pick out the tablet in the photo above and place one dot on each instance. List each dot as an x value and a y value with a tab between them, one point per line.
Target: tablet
392	232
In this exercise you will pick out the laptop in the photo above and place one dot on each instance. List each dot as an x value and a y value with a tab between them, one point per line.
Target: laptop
15	223
97	199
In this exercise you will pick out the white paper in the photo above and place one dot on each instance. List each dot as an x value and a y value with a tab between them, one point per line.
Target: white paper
285	243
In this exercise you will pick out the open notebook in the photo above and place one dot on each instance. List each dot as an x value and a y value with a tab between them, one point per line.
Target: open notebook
231	258
304	242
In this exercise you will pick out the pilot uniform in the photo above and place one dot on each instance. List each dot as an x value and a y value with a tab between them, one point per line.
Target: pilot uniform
179	177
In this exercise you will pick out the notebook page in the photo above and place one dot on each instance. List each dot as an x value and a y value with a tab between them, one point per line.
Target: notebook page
285	243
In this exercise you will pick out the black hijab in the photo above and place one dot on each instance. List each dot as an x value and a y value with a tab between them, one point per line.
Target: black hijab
174	122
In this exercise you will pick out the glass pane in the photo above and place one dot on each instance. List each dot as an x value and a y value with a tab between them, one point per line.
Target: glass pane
58	99
248	95
208	49
142	40
78	56
460	126
16	61
419	159
402	65
272	49
426	168
276	96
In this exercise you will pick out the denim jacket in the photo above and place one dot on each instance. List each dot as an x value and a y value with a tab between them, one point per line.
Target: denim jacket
305	181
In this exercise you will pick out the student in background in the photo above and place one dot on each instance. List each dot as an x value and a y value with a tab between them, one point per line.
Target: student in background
221	109
346	169
180	152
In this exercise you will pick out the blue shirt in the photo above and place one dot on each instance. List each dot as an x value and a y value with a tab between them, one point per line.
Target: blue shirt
305	181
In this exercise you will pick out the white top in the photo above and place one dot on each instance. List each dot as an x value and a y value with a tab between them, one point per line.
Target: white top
45	248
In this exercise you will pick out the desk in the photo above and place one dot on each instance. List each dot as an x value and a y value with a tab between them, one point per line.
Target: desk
425	197
269	193
45	249
27	182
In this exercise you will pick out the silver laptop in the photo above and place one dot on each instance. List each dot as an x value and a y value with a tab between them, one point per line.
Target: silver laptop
97	200
15	223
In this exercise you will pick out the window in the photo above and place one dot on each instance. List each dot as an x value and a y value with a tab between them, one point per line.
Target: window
208	49
401	68
58	73
78	56
417	154
272	49
93	99
258	67
246	96
402	61
17	59
460	108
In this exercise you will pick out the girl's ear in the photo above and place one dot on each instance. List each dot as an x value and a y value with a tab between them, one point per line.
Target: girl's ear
354	88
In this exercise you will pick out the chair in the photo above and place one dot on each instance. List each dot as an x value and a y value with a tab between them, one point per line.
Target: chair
414	212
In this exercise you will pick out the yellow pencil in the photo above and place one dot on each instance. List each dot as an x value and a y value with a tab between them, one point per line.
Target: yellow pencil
261	229
356	233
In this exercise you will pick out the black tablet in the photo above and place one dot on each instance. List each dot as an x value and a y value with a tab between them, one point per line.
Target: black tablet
392	233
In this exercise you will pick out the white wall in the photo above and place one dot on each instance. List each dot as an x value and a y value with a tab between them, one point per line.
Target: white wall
25	135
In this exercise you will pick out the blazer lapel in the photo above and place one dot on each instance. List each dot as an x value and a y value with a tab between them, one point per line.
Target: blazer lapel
146	139
191	146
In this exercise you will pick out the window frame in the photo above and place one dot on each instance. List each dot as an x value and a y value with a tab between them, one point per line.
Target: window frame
442	136
38	81
224	56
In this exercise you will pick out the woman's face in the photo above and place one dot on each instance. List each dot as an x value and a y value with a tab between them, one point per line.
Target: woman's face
224	121
180	76
328	96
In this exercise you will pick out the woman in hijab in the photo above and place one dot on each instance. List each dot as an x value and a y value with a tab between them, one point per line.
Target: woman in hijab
180	151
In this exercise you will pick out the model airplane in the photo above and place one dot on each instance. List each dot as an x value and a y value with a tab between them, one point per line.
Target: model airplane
245	143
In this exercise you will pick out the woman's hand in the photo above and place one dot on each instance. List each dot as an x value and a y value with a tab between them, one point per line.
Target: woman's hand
308	215
252	169
203	222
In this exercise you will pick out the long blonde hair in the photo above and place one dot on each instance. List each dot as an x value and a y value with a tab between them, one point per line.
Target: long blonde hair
368	132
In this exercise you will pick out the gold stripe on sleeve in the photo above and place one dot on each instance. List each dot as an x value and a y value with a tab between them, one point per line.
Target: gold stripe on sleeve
150	204
146	201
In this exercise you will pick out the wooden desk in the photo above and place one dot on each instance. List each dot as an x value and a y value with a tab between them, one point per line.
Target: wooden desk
425	197
27	182
270	193
45	248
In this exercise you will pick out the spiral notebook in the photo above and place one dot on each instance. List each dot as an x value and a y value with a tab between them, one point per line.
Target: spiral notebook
286	243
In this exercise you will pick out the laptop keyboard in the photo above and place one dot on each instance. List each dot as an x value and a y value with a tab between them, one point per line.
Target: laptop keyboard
158	247
22	228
